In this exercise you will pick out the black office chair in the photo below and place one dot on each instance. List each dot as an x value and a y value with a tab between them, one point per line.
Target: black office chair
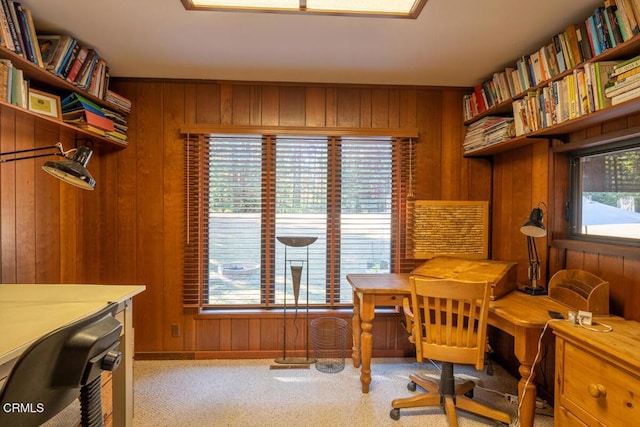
57	368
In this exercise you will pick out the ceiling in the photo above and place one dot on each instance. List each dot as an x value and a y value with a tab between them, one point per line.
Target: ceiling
452	43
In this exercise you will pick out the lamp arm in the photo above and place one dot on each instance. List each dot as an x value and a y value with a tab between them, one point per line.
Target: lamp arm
58	152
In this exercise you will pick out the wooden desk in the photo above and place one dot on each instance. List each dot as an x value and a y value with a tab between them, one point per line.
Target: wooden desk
520	315
27	312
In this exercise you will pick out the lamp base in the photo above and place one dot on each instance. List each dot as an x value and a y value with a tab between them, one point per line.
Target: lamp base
538	290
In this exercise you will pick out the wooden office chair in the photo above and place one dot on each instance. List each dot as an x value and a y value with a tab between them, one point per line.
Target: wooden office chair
57	368
449	319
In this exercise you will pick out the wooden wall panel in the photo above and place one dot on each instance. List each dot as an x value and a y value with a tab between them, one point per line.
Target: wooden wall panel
172	103
173	210
129	229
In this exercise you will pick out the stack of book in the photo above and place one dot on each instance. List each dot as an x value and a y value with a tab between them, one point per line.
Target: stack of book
487	131
119	101
624	81
81	112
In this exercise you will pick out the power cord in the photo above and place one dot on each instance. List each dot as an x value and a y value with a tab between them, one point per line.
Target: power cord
533	365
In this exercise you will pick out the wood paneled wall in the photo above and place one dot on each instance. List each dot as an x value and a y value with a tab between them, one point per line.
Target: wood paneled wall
129	230
153	205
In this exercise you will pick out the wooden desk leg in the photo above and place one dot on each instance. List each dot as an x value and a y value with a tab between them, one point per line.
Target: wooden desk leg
355	327
525	348
367	312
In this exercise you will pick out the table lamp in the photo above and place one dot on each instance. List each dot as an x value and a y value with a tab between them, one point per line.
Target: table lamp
533	228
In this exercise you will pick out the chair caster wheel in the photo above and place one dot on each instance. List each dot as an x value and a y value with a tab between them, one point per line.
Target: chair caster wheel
395	414
411	386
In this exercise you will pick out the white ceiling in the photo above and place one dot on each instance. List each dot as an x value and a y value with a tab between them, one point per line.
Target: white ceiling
452	43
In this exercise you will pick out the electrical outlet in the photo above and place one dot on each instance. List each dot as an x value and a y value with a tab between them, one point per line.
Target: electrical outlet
584	317
175	330
572	317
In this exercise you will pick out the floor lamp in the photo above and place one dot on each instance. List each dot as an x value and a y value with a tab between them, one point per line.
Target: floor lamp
296	267
533	228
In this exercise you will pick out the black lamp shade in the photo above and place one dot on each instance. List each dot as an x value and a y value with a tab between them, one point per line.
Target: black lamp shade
534	227
73	171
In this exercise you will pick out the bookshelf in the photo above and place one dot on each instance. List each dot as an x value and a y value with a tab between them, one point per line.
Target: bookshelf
622	51
43	79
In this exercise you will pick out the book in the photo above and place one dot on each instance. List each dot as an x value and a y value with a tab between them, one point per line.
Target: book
571	33
86	70
34	38
601	28
626	65
47	46
77	64
69	60
59	51
602	70
596	47
75	101
559	54
583	41
91	128
85	116
7	40
25	33
615	36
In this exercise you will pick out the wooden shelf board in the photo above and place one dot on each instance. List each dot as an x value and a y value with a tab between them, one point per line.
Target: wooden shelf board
80	132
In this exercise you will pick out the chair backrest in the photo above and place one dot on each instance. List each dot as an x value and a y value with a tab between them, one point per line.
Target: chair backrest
450	320
49	375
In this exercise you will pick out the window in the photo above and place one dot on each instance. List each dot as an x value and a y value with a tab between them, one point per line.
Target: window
605	193
245	191
378	8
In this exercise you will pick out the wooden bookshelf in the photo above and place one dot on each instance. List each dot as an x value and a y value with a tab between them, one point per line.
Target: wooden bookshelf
622	51
40	78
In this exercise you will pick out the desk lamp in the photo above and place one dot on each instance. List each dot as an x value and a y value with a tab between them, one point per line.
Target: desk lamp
72	170
534	228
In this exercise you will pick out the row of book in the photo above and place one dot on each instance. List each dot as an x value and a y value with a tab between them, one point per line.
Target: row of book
488	131
61	54
74	62
576	94
85	114
13	86
611	24
17	31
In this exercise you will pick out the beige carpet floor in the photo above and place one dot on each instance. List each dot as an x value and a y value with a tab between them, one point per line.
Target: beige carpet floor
247	393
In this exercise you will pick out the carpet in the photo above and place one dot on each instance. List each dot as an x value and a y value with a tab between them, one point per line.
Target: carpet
185	393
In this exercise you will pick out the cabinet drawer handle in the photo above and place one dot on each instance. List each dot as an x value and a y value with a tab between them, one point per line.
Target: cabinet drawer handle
597	390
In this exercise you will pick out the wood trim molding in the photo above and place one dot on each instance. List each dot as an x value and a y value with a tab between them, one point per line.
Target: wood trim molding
597	248
195	129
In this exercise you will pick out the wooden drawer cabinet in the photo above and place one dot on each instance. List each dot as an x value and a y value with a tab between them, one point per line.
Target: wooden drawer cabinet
597	374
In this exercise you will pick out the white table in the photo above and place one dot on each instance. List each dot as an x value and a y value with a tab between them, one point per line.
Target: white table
27	312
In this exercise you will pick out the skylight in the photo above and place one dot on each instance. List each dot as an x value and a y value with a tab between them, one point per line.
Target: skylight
370	8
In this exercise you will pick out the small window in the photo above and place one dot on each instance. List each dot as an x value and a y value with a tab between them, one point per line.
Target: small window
605	194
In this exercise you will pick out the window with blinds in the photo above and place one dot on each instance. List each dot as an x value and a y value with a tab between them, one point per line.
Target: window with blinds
245	191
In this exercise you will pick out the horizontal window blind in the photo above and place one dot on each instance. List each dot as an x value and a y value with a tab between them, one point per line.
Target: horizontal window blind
350	194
